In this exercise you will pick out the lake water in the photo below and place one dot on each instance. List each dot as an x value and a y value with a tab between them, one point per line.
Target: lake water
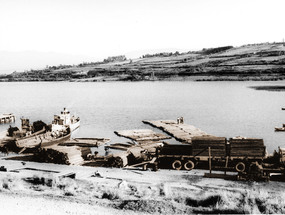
220	108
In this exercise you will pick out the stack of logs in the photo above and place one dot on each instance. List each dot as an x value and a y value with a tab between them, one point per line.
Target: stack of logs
247	147
201	144
72	155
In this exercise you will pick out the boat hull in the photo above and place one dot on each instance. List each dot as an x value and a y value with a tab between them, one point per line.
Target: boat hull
41	140
75	125
280	129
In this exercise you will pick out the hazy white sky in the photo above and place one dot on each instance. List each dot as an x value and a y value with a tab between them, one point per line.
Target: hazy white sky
101	28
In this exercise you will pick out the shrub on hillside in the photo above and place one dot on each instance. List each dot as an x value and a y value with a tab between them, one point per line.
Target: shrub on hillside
215	50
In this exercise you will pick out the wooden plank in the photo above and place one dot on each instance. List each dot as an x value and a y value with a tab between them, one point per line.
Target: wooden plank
85	142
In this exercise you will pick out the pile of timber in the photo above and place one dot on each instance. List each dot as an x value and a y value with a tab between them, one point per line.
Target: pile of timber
85	142
180	131
72	155
249	147
142	135
200	146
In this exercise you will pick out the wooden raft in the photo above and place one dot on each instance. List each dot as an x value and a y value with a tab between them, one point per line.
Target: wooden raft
181	132
142	135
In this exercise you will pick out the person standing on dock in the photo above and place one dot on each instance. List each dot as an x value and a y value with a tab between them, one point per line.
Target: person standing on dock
180	120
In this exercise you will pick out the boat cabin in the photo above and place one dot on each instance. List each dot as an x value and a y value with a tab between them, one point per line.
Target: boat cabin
60	121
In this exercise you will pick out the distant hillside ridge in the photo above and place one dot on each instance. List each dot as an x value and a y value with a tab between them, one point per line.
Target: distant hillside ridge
265	61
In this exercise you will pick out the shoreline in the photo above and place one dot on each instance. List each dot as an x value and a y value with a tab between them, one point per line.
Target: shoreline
199	78
120	191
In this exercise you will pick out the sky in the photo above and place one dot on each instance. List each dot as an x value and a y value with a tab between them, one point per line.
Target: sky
96	29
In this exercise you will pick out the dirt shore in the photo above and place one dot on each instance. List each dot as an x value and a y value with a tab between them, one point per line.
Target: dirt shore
36	188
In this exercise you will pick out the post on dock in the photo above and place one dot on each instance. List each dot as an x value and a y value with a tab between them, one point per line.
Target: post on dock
210	160
227	161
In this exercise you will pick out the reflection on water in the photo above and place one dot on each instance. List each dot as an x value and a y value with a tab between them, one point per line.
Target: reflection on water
220	108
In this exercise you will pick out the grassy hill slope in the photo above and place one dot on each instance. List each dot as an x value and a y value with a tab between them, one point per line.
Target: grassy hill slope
249	62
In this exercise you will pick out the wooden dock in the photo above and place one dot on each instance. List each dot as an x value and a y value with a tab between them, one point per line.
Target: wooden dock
7	118
180	131
142	135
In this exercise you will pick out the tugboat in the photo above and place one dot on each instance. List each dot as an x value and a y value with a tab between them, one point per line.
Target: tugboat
65	119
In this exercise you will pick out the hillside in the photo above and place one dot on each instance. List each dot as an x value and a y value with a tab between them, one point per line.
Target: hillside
264	61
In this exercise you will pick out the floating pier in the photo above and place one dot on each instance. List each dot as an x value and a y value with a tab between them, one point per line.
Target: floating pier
180	131
7	118
142	135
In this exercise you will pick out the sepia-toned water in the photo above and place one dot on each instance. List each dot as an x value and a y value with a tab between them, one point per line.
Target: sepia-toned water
220	108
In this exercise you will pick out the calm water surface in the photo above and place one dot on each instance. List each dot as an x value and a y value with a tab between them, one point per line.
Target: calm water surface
220	108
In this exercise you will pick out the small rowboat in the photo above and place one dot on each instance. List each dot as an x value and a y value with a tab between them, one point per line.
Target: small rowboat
280	129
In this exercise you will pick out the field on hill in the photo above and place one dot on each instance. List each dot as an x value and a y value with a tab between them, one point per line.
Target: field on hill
264	61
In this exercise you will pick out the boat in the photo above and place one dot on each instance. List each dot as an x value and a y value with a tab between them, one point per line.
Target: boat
65	119
280	129
7	118
26	130
44	139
